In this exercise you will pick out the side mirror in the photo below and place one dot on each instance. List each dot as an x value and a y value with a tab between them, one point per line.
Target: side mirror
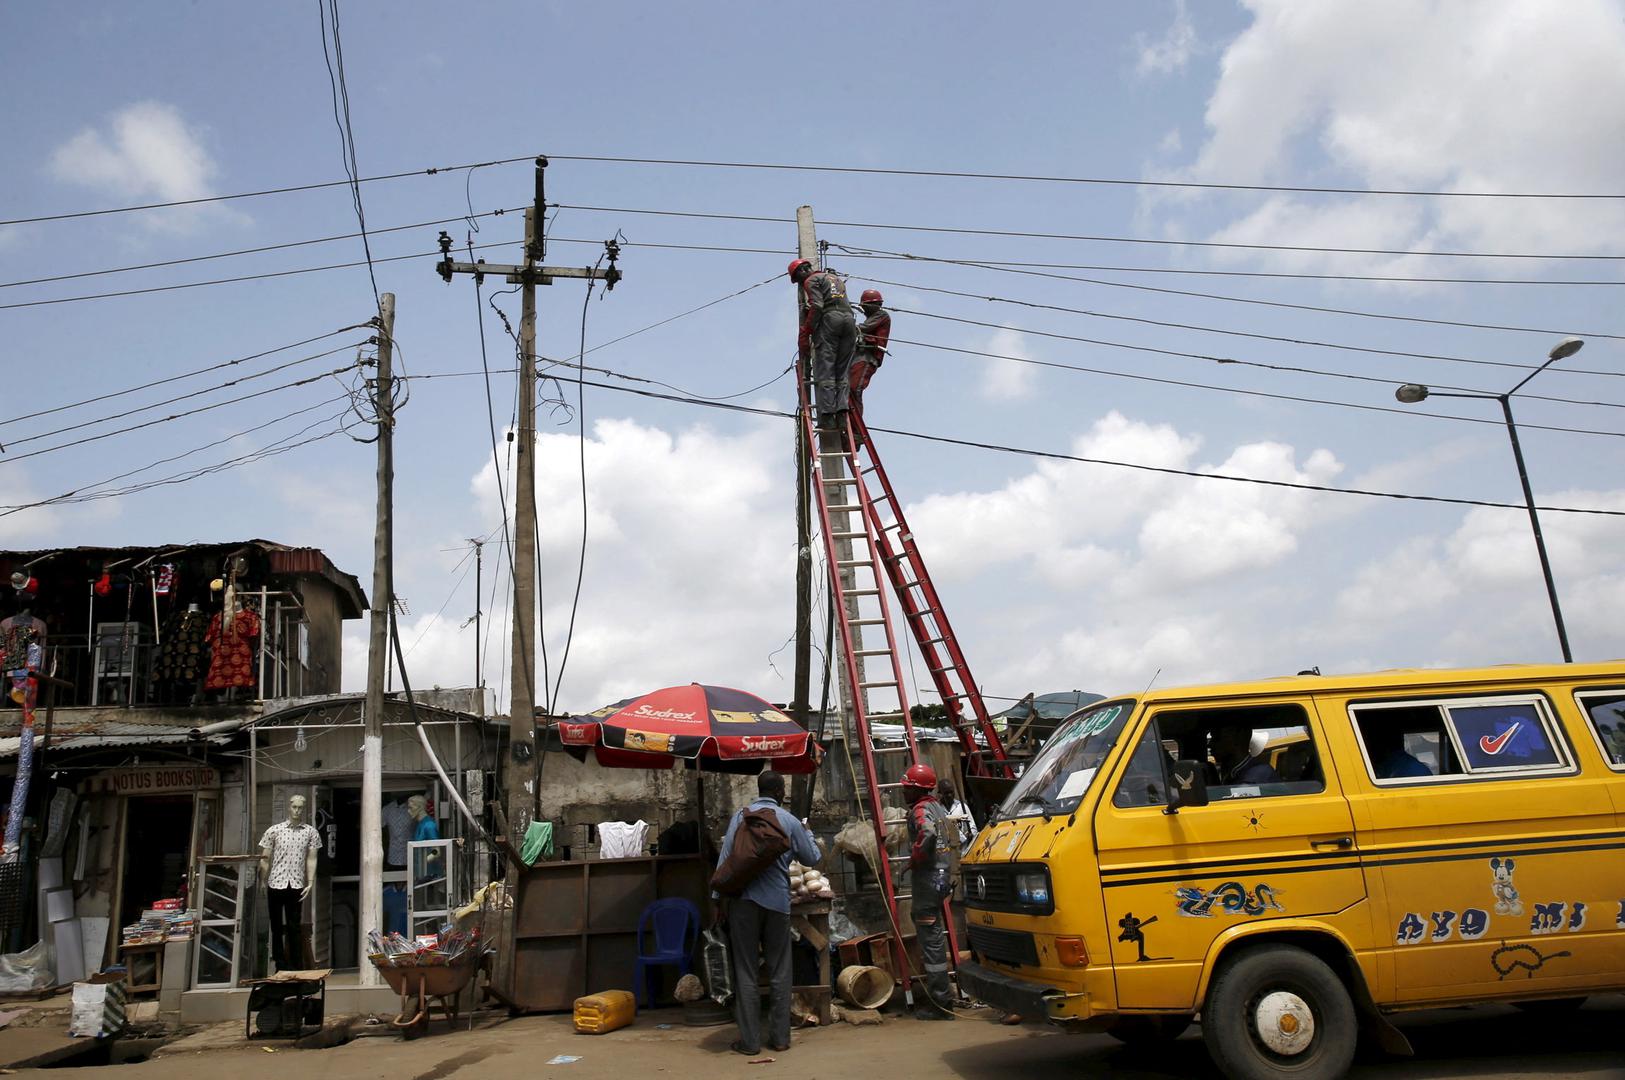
1187	786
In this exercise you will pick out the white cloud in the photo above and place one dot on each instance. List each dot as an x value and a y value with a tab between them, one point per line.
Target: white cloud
1524	95
1170	52
690	556
147	150
1008	380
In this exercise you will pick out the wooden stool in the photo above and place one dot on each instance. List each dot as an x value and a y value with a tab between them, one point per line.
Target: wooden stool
152	952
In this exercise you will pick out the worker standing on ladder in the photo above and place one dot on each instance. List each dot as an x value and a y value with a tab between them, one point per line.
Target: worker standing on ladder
874	333
928	833
828	338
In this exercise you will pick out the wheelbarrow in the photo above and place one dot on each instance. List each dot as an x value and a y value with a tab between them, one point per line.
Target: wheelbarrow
425	985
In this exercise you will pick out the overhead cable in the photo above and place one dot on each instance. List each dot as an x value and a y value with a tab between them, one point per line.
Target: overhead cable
247	251
266	191
1227	360
99	398
1420	413
1094	314
857	170
973	264
13	459
755	410
1090	238
179	397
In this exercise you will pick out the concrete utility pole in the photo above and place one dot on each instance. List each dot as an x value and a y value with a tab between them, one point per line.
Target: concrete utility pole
372	739
522	794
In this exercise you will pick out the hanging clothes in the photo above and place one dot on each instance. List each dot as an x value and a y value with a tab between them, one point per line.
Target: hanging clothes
181	655
231	656
621	840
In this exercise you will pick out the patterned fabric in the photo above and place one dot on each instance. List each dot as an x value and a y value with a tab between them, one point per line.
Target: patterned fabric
287	845
231	660
398	830
22	637
181	655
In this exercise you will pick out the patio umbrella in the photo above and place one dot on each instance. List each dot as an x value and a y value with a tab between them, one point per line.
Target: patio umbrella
714	728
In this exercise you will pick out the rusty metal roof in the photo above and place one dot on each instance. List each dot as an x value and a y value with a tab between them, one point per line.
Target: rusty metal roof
95	733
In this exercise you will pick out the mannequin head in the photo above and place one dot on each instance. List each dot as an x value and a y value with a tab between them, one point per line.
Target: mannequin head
296	810
418	807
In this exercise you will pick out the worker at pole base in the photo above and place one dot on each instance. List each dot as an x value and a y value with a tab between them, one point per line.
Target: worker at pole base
828	338
873	335
929	836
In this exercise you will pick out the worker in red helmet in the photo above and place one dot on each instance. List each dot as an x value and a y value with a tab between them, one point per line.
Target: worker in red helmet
828	338
874	333
929	836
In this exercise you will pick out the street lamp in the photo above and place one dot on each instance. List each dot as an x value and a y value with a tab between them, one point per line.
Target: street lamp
1411	393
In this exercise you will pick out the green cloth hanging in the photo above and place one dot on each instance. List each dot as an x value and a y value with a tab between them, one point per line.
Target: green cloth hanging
538	842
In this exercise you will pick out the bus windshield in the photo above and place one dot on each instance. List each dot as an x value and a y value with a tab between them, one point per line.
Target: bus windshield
1060	775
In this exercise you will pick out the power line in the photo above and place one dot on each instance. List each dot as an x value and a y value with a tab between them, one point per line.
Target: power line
862	253
1237	333
328	11
233	280
90	492
1087	180
1091	238
1320	372
754	410
176	378
1249	393
177	416
264	192
246	251
72	495
180	397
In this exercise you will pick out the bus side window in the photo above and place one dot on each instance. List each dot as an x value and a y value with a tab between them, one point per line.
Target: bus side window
1145	783
1606	711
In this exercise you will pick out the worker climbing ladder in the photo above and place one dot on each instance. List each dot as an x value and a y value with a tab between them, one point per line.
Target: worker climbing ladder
868	542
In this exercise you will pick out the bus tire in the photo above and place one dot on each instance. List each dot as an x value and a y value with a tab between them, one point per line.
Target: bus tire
1145	1032
1277	1012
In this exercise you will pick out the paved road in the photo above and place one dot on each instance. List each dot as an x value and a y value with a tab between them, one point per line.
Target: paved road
1490	1042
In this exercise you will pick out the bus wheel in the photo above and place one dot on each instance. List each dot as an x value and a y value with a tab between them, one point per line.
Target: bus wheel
1277	1011
1148	1031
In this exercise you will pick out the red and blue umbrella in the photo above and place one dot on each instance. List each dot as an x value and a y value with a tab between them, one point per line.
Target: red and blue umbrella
711	727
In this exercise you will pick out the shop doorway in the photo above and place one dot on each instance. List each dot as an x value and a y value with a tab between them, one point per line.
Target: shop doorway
157	850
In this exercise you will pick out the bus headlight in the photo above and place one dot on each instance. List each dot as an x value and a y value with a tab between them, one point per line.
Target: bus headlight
1032	887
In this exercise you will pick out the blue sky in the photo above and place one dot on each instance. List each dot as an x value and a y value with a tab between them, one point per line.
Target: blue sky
1057	575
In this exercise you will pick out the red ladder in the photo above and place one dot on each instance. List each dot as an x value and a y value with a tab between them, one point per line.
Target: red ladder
926	618
864	618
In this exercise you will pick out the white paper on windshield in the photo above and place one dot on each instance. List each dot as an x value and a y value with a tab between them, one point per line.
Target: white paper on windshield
1076	784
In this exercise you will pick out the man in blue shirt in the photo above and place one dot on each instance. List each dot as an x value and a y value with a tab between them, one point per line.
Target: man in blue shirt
759	925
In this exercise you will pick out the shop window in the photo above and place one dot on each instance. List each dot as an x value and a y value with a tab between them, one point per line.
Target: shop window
1606	711
1418	742
1249	752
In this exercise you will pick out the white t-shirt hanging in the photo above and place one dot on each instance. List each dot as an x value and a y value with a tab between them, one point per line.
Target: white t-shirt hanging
286	844
619	840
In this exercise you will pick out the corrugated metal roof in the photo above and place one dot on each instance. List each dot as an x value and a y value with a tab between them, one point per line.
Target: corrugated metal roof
97	734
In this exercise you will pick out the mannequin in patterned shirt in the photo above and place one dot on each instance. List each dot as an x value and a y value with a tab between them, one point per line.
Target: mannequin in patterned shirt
287	869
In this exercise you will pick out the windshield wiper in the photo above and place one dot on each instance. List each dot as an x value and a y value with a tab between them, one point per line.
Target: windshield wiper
1046	805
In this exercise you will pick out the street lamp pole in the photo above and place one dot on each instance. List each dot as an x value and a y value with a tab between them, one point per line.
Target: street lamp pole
1534	524
1411	393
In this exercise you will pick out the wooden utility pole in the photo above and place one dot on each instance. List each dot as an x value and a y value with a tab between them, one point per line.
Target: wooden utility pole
372	739
831	465
522	793
800	704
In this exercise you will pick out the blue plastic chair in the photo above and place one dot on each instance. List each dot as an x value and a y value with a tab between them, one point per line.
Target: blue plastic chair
675	926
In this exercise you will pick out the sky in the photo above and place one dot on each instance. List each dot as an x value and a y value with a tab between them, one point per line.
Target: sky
1057	573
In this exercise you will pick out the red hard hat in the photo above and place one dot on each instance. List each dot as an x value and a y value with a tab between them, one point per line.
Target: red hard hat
871	296
920	776
797	264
